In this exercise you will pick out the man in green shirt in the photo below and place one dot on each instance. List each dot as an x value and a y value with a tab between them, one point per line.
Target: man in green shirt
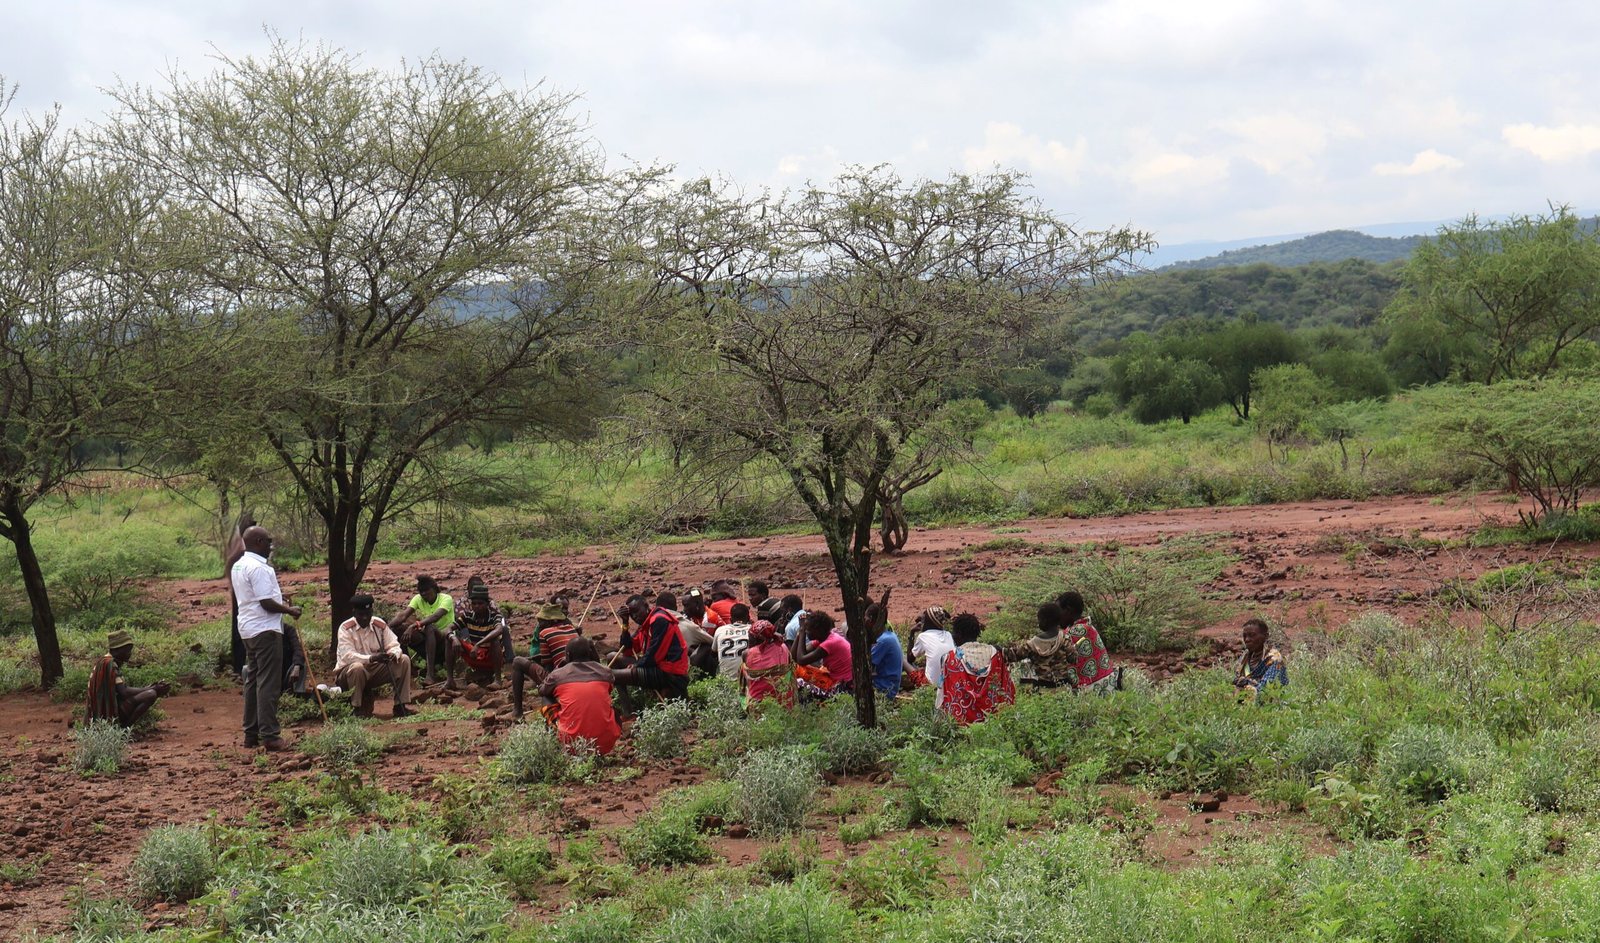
434	615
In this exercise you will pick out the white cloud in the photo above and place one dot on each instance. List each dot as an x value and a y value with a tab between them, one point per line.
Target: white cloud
1426	162
1172	169
1200	121
1008	145
1279	141
1564	142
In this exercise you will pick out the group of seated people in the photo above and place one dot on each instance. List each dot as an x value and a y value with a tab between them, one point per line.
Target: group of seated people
774	648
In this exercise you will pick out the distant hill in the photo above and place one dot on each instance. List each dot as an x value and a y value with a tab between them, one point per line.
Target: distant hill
1335	246
1347	293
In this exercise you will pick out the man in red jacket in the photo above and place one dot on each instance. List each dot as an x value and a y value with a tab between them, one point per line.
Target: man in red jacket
660	658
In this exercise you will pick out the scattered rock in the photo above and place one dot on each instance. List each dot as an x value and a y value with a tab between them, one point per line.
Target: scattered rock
738	831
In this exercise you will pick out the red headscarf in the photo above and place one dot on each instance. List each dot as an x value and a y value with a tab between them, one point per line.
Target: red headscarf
763	633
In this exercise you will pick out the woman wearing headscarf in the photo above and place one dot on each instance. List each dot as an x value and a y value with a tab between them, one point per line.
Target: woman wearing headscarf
767	672
976	681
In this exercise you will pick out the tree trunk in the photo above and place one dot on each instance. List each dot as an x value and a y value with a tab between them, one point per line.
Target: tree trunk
342	583
895	530
852	564
44	618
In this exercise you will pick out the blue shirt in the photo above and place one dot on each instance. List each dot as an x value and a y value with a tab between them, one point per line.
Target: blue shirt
887	660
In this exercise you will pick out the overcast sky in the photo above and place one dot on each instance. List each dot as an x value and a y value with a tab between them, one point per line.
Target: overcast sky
1209	120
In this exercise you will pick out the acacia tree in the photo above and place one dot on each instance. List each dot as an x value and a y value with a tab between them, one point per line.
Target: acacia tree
1538	434
822	334
75	287
1511	295
410	253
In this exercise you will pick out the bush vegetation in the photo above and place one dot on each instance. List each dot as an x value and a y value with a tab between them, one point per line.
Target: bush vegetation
1454	780
174	863
1141	598
658	733
98	747
532	753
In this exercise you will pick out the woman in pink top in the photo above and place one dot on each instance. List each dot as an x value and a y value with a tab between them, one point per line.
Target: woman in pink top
766	672
823	665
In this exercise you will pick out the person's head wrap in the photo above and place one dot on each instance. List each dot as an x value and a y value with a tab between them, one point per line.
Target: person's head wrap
763	632
550	612
478	593
935	617
118	639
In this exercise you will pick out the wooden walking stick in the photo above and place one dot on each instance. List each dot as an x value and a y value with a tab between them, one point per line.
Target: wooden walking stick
311	680
624	627
590	605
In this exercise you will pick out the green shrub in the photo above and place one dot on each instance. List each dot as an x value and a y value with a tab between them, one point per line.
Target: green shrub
865	830
384	868
1213	753
802	912
1140	598
104	920
964	788
606	923
457	913
775	789
91	570
294	710
1558	772
670	833
174	863
1319	748
533	753
850	748
658	733
99	746
344	749
523	863
16	676
915	722
721	709
1038	892
1423	762
788	860
900	875
1497	836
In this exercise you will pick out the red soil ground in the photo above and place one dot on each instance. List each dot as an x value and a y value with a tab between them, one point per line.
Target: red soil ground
1307	566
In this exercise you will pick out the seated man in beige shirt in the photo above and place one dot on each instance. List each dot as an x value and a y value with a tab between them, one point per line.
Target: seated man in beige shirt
369	658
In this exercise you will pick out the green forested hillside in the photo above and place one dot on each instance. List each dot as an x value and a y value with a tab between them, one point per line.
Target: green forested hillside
1349	293
1334	246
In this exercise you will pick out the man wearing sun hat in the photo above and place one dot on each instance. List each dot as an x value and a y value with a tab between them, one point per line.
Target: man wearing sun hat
552	632
110	698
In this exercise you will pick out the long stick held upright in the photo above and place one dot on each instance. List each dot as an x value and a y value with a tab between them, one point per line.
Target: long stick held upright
592	596
311	679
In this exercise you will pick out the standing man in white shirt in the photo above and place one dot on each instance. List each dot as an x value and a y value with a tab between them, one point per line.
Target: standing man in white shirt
261	612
